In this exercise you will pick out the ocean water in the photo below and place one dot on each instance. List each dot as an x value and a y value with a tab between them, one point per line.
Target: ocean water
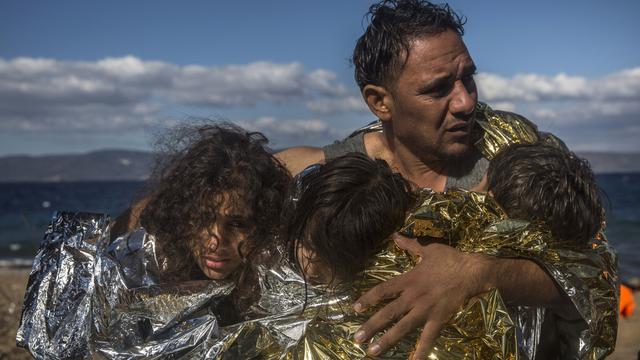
26	209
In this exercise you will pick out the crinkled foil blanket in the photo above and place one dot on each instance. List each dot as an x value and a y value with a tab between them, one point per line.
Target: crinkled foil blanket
88	297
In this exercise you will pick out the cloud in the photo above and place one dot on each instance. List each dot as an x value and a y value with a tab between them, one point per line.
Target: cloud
116	95
623	85
563	100
338	105
127	92
503	105
293	132
246	85
600	113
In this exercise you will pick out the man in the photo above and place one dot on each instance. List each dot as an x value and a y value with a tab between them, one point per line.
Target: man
416	76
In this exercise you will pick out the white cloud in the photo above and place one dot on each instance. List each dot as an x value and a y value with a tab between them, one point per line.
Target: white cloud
124	92
323	81
623	85
127	93
503	105
241	85
338	105
574	107
293	132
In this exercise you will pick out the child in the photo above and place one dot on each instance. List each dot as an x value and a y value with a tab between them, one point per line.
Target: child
344	211
216	199
545	185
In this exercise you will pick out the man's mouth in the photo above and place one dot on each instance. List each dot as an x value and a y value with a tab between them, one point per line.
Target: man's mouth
460	126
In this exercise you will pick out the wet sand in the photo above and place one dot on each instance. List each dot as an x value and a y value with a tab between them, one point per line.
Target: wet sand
12	285
14	281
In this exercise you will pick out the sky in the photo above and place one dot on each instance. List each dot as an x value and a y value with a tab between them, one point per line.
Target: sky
78	76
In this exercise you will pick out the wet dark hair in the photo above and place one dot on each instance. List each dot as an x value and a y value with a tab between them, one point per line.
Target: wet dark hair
544	182
345	210
379	52
200	168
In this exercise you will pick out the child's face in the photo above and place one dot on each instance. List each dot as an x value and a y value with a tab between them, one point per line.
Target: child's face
218	254
315	271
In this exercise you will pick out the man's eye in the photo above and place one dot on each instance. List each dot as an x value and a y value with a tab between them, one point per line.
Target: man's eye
469	79
441	91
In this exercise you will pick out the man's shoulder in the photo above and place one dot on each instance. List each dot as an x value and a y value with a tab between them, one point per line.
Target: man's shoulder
368	140
296	159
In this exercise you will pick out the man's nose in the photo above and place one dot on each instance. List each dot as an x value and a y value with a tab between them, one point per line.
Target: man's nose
463	100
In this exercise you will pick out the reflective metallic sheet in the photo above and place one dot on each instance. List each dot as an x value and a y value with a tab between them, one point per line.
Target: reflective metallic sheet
324	328
88	298
587	274
57	310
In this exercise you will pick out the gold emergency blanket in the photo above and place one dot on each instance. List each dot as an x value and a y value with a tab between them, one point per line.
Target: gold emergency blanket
324	328
483	329
588	276
88	297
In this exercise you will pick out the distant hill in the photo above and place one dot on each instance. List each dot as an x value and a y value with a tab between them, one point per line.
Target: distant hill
113	165
98	165
612	162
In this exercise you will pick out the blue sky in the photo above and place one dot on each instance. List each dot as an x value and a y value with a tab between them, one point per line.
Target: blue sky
84	75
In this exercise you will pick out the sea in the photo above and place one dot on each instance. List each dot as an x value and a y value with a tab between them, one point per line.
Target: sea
27	208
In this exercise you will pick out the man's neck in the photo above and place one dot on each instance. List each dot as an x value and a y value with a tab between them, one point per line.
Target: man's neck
425	173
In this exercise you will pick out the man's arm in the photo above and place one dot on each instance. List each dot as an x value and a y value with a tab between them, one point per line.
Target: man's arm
298	158
445	279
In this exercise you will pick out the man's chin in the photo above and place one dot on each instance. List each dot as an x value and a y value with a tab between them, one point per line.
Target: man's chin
457	152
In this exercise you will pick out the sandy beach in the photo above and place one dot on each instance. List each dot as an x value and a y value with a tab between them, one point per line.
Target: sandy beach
14	282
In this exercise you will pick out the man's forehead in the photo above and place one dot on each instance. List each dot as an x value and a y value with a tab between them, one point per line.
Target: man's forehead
438	54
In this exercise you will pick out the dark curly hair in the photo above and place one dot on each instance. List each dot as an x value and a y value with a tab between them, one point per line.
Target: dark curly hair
546	183
379	52
200	167
345	209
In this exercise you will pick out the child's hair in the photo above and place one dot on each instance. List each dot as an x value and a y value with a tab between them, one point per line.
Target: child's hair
345	210
544	182
202	167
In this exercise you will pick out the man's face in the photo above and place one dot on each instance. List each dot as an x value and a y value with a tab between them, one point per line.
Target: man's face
434	96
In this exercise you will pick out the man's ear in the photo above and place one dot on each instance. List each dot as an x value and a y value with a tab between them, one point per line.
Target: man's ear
379	101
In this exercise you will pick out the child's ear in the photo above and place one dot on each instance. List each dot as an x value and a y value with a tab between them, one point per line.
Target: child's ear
379	101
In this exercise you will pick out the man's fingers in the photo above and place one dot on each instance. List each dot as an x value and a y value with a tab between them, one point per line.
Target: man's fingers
405	326
409	244
381	319
387	290
428	337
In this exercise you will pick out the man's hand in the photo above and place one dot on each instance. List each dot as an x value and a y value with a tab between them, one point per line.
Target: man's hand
428	296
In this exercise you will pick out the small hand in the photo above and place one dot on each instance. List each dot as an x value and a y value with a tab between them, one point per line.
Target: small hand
427	296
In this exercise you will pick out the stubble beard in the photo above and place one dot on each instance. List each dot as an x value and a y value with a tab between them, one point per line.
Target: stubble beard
455	162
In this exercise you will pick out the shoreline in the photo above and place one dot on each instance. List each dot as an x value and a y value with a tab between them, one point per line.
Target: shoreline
14	282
